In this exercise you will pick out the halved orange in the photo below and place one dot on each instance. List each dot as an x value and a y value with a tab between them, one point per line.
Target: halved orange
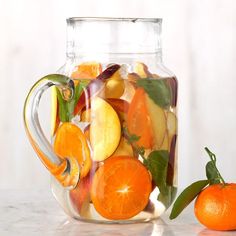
121	188
70	142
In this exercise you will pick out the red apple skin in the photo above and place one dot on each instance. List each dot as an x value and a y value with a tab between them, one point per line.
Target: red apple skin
87	132
107	73
173	83
171	164
81	193
119	105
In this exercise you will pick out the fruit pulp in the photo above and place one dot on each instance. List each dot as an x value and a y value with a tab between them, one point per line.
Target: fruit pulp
123	118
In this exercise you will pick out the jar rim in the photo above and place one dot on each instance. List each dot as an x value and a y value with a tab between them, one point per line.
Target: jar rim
107	19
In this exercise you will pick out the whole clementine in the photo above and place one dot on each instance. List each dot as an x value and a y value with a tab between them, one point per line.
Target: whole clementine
215	207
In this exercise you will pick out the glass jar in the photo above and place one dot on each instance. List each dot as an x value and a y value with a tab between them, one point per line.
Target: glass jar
113	154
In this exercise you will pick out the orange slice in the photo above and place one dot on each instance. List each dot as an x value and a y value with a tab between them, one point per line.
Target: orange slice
70	142
87	70
121	188
138	119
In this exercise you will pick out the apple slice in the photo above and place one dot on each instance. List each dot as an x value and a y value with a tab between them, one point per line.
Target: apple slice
124	148
165	144
115	84
173	83
121	107
105	129
80	196
109	72
55	120
85	115
158	122
132	77
87	132
129	92
172	161
114	88
142	70
171	125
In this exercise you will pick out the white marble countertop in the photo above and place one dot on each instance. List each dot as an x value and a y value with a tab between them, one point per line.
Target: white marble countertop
25	212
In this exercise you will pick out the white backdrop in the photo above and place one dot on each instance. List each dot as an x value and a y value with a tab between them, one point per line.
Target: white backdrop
199	45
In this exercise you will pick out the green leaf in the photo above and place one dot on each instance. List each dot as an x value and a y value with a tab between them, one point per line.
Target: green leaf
63	110
212	174
157	164
66	108
187	196
167	195
158	90
133	138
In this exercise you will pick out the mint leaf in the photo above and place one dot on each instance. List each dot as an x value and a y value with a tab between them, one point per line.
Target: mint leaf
131	137
157	164
167	195
187	196
66	108
64	114
158	90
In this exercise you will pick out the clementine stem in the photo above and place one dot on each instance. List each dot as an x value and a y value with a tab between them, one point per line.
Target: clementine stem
213	159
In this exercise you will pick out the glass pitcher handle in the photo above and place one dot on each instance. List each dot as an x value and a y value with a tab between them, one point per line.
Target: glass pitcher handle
66	171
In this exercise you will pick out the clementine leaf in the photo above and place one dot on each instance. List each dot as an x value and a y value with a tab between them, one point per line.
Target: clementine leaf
187	196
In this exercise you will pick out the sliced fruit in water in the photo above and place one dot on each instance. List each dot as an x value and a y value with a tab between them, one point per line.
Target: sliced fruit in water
80	196
87	70
92	89
121	188
172	161
55	120
70	142
95	87
115	86
158	122
171	125
87	132
105	129
124	148
165	143
108	72
138	120
85	115
120	106
142	70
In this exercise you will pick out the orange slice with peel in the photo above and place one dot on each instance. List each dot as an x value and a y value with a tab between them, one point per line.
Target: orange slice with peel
70	142
138	119
121	188
87	70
